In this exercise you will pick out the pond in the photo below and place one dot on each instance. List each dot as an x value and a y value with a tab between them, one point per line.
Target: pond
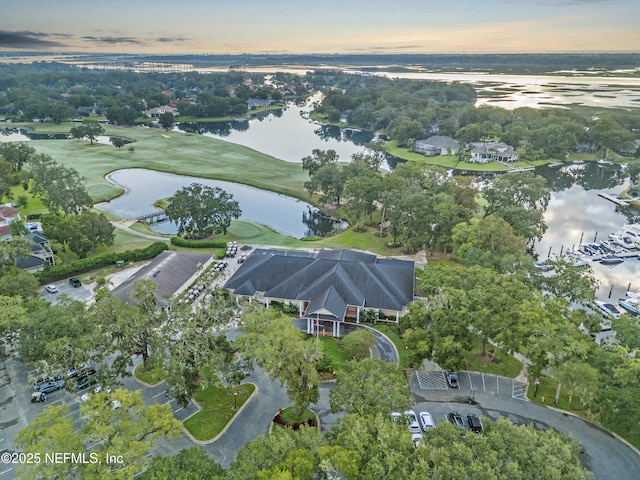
287	134
285	215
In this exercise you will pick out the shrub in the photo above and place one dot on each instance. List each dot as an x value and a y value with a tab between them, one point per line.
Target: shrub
181	242
93	263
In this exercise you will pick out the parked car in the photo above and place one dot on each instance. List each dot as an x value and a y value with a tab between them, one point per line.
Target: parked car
456	419
452	379
51	386
414	426
426	420
75	282
416	438
86	381
475	424
51	289
396	416
75	371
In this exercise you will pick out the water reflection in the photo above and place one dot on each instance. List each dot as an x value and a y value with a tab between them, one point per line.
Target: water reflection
285	215
285	133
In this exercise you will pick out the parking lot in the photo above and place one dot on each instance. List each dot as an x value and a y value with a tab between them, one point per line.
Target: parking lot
470	384
82	294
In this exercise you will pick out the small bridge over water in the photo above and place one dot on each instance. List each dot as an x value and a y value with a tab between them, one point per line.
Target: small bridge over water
153	217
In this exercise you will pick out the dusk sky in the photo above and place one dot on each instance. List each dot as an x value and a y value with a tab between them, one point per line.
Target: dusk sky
327	26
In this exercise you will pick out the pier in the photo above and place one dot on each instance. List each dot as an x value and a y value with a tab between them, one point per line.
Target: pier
153	217
613	199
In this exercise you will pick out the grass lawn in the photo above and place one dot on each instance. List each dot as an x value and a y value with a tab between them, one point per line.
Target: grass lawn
217	409
34	205
172	152
152	377
505	364
288	415
547	391
332	350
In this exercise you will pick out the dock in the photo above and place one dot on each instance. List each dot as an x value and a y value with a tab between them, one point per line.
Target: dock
153	217
613	199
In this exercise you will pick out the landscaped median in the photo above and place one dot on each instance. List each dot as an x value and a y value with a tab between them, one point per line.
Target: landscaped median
217	406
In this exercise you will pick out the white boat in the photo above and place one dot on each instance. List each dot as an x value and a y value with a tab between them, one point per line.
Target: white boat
622	240
602	161
608	309
611	260
631	305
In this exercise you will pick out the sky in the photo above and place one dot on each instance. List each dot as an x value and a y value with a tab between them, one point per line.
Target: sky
325	26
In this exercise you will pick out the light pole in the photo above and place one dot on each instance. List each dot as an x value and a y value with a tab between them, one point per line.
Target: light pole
535	390
235	400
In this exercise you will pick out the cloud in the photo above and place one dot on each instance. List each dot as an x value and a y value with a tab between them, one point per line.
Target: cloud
28	39
171	39
113	40
568	3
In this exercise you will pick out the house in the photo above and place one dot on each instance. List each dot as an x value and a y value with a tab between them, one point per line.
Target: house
8	213
327	286
437	145
172	272
258	103
485	152
40	256
157	112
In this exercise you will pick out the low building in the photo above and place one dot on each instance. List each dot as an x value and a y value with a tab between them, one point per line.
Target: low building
157	112
171	271
8	213
258	103
40	256
492	152
437	145
327	286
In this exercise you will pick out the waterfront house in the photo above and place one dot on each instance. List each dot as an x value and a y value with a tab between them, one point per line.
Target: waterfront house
484	152
437	145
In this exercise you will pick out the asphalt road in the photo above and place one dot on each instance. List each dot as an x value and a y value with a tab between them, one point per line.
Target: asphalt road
485	395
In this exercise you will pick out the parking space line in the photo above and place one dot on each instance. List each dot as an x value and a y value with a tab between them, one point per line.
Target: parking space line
166	403
484	386
497	385
158	394
176	411
6	471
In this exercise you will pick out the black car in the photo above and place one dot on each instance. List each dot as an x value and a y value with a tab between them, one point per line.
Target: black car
475	424
456	419
452	379
86	381
75	282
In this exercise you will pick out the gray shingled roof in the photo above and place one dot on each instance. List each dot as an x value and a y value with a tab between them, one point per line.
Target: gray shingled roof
330	280
441	141
170	270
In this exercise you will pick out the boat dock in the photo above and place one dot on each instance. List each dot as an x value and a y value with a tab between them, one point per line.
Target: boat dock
154	217
613	199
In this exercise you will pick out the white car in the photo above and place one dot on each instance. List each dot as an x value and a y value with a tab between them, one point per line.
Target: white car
426	420
414	426
51	289
416	438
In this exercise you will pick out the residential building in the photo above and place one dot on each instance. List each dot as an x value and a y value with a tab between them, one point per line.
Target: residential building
437	145
258	103
40	256
485	152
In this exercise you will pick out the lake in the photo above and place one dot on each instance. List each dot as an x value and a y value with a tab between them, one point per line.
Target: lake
285	215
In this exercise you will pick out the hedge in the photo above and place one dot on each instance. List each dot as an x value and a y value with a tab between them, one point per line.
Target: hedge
181	242
93	263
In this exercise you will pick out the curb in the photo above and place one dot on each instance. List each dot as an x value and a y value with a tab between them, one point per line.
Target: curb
148	385
378	332
226	427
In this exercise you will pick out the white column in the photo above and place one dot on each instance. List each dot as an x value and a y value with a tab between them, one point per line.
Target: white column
337	329
397	317
357	314
300	308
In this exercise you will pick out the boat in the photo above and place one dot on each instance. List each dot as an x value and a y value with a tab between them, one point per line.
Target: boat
631	305
602	161
611	260
542	265
608	309
622	240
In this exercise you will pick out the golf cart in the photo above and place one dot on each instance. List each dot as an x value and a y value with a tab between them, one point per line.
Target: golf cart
38	397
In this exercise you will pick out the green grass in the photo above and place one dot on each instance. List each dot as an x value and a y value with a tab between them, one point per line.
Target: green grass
289	416
547	390
505	365
34	205
217	409
152	377
172	152
333	351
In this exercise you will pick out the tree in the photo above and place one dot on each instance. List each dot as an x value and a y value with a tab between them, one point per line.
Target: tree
200	210
17	154
81	232
18	282
580	378
59	187
167	120
330	179
369	386
90	130
12	249
317	159
118	142
358	344
279	348
402	129
189	464
127	432
6	180
521	199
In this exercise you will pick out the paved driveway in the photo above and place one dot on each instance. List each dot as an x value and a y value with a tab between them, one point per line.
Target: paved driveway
493	396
